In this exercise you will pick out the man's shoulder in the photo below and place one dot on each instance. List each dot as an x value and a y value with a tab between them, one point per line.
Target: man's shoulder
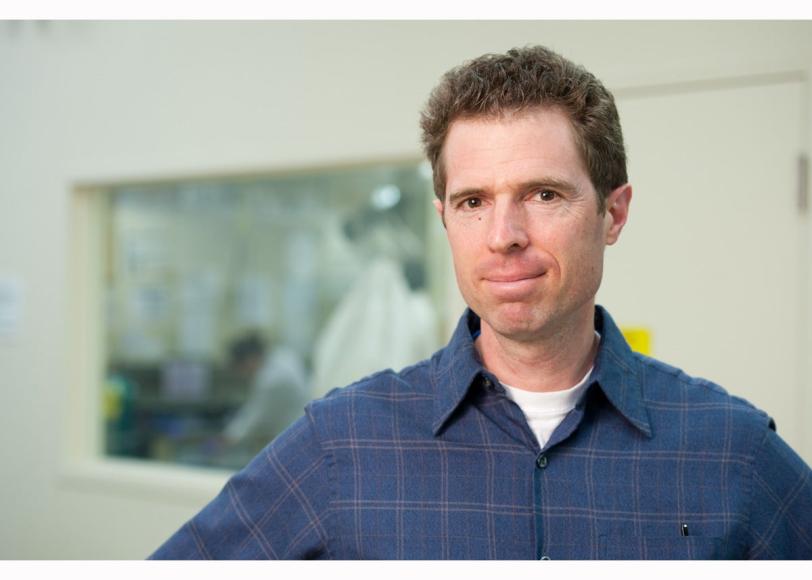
413	379
668	389
671	395
375	399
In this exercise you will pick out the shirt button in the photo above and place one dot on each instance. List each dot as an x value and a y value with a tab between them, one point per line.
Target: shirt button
544	558
487	383
541	462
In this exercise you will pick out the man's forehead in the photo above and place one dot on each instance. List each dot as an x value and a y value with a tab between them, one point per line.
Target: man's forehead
537	144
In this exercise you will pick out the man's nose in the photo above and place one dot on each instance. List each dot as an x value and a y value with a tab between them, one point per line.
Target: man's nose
508	231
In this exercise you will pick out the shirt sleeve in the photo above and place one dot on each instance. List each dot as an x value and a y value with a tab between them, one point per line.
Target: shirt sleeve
781	511
275	508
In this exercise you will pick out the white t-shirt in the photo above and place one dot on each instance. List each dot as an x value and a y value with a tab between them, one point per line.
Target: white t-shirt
545	411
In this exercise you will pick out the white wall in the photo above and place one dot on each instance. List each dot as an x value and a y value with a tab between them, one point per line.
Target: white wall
88	102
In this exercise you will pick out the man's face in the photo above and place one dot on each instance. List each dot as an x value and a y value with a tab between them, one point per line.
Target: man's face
522	220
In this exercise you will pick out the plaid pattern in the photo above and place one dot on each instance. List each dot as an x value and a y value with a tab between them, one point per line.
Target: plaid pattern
435	462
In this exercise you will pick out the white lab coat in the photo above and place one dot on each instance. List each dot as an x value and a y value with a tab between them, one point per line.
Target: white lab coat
380	323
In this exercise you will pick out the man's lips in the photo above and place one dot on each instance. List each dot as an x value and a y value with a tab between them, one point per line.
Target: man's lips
506	278
514	285
513	275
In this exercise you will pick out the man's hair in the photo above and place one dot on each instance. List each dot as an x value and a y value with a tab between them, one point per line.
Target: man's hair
523	79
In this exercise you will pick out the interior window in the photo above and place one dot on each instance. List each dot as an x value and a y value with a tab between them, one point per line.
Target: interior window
233	302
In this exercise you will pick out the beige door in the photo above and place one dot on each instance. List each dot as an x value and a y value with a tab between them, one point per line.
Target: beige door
713	259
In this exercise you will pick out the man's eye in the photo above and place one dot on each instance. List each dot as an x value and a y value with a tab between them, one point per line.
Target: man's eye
547	195
473	202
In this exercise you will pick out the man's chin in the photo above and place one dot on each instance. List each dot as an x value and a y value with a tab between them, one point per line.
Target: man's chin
516	322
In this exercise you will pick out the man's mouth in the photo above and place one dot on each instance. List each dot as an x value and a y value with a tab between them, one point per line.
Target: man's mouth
512	277
514	285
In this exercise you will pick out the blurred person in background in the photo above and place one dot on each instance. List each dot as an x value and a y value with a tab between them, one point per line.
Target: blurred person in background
278	390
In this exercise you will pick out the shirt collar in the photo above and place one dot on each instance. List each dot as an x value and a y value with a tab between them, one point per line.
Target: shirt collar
617	373
457	367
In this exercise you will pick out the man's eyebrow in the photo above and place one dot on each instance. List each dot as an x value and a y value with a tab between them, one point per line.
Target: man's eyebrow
550	182
453	198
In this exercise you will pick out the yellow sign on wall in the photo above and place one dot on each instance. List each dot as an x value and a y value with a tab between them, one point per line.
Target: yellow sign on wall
638	337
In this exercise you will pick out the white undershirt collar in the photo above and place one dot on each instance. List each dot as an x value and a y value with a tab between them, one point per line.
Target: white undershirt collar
544	411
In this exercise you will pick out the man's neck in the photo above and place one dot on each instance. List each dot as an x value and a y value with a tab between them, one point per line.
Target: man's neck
552	363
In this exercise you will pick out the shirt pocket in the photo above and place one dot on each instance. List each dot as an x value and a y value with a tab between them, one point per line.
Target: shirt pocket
660	548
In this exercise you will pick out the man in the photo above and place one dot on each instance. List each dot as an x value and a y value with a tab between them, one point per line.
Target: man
536	433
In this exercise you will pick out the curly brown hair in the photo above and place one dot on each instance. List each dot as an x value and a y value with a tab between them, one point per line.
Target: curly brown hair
495	85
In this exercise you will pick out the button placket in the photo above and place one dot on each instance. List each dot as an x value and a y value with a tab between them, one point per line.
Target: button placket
538	484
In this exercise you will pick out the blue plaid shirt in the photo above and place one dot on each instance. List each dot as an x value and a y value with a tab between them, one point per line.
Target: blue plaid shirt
436	462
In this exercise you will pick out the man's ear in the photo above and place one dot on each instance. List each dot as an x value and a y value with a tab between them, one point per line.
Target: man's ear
438	205
617	212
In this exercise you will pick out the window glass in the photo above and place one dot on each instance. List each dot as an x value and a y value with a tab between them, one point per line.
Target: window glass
233	302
